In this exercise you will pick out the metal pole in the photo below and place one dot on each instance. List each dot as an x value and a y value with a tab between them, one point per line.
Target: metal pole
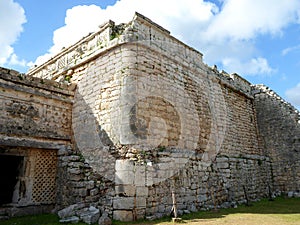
174	204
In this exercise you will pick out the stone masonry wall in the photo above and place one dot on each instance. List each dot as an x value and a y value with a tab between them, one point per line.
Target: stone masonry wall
279	127
35	118
149	117
33	109
153	120
189	132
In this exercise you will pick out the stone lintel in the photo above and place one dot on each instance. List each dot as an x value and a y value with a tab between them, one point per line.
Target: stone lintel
31	142
15	80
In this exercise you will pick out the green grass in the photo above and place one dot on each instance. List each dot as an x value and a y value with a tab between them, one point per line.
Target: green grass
42	219
281	211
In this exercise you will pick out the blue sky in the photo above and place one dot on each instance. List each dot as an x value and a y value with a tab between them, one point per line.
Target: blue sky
258	39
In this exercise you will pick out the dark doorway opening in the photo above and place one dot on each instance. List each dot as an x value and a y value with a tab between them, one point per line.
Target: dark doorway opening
9	171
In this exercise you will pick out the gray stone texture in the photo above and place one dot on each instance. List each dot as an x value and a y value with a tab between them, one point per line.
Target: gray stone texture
134	114
279	129
104	220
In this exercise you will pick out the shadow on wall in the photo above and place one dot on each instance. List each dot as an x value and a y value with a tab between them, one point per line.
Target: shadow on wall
279	127
146	116
150	130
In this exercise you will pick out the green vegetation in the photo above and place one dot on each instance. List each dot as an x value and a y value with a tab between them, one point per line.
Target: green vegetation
281	211
161	148
68	78
43	219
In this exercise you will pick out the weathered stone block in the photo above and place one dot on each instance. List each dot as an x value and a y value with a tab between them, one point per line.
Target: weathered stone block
141	191
202	198
67	212
223	165
140	214
124	177
122	215
72	219
139	176
90	216
74	171
104	220
74	158
94	191
70	210
140	202
122	165
125	190
123	202
80	192
76	177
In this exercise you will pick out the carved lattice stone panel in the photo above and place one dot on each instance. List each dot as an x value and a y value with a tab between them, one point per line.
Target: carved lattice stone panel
44	185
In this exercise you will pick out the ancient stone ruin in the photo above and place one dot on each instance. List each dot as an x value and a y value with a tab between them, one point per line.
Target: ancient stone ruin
110	126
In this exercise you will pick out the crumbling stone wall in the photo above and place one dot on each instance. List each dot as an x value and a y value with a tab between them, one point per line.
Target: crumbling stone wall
279	128
149	117
36	123
34	108
35	117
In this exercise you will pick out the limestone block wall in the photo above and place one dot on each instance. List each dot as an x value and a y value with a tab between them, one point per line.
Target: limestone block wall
279	127
149	117
35	118
33	108
79	185
193	134
152	118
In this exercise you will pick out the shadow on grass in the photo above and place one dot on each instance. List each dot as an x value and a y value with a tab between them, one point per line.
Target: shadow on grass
279	205
42	219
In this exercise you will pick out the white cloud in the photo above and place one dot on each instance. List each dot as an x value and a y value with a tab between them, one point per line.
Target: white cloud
233	31
290	49
253	66
14	60
293	95
244	19
225	35
12	16
6	51
80	20
178	16
43	58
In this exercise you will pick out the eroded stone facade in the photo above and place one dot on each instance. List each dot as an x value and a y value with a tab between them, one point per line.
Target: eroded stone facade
279	129
148	117
35	124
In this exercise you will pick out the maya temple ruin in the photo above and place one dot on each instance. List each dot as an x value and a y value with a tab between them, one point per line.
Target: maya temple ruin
112	125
